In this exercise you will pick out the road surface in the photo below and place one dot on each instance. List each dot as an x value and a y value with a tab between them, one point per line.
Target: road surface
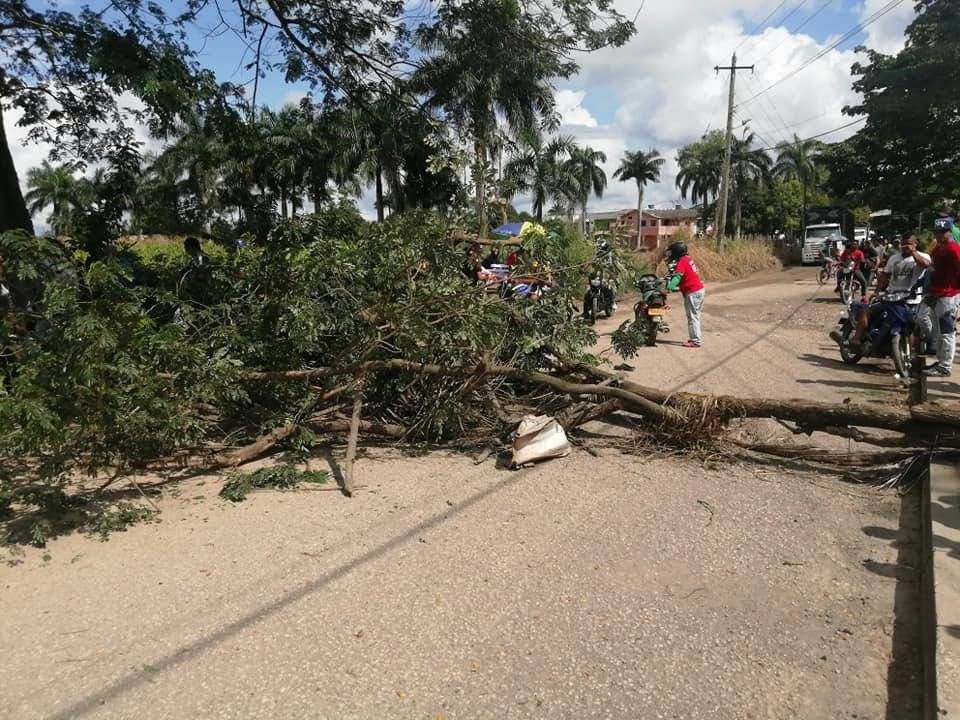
619	586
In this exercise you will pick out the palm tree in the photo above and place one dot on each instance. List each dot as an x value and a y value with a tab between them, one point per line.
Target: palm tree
584	165
537	168
798	159
642	167
485	68
56	186
701	165
748	166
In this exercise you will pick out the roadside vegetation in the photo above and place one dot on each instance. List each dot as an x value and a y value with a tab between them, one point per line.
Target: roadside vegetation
297	319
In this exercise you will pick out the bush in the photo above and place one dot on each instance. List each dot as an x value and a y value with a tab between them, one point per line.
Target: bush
739	259
116	364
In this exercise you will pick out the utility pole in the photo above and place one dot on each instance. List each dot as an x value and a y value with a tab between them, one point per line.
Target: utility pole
725	184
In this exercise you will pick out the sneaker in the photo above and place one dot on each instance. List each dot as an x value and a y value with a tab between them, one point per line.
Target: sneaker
936	371
690	344
614	309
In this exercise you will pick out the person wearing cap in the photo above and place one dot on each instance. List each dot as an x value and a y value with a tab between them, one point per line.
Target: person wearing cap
938	315
948	212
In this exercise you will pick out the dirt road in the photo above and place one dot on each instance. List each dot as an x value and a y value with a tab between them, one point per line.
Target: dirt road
622	586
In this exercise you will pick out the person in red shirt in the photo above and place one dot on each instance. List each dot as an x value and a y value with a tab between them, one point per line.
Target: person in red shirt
938	315
852	254
685	278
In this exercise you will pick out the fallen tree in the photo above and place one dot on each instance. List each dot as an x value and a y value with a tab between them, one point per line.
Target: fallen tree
322	334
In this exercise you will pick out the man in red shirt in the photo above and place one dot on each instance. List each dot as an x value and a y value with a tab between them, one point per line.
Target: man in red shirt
852	254
938	315
685	278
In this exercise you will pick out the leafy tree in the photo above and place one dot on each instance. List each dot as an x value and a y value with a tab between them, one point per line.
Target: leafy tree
66	70
536	168
907	154
492	60
701	166
54	187
749	167
641	167
799	159
584	165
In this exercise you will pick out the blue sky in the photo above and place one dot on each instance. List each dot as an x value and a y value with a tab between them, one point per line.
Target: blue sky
660	90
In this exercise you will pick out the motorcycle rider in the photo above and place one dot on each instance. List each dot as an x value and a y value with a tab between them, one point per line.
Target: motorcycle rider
685	277
852	254
903	273
830	250
938	315
873	257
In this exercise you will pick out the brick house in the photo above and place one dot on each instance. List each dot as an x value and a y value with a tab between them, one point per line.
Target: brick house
658	226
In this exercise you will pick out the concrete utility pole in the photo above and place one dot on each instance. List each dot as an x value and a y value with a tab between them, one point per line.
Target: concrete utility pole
725	184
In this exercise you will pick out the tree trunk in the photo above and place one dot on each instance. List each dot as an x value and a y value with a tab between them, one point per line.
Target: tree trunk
803	211
379	182
283	203
13	208
480	181
737	213
583	217
639	216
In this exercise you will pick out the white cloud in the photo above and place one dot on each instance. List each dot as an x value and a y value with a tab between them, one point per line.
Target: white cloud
664	91
886	34
571	110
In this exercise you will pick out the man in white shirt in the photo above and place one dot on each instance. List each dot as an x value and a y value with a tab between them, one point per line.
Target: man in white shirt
902	275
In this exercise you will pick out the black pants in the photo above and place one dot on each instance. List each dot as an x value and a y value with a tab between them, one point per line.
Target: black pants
858	276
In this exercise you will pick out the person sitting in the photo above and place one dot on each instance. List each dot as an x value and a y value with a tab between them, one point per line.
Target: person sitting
902	275
852	254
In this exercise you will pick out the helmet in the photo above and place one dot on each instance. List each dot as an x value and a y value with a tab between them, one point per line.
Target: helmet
677	250
603	247
848	242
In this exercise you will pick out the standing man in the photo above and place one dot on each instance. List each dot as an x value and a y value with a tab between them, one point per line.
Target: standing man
938	316
686	279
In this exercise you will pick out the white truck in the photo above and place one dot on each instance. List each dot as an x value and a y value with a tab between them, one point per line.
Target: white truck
814	240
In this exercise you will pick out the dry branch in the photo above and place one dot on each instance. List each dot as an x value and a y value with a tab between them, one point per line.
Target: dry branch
630	399
352	442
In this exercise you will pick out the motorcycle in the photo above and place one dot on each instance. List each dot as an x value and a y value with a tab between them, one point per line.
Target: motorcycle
650	310
599	298
827	270
890	334
849	283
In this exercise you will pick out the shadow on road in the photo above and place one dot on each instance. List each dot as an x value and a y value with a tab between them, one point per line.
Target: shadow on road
904	676
94	703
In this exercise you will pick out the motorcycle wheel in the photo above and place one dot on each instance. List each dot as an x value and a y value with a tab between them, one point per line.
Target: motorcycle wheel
650	332
823	276
848	356
900	354
846	292
594	309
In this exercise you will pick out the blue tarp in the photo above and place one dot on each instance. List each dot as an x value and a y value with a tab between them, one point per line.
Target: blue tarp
509	229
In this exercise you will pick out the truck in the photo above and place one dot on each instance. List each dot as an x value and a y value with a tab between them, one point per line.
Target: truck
821	223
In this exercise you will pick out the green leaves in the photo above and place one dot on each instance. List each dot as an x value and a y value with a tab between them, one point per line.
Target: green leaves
281	477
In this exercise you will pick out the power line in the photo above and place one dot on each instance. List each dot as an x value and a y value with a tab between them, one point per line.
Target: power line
849	34
824	134
799	27
760	25
760	39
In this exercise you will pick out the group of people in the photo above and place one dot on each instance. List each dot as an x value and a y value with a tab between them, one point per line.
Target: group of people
929	284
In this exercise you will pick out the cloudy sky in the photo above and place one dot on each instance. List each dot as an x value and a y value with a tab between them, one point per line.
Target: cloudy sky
660	90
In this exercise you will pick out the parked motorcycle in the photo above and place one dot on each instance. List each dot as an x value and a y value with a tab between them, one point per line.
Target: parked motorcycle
598	299
890	334
651	309
849	284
